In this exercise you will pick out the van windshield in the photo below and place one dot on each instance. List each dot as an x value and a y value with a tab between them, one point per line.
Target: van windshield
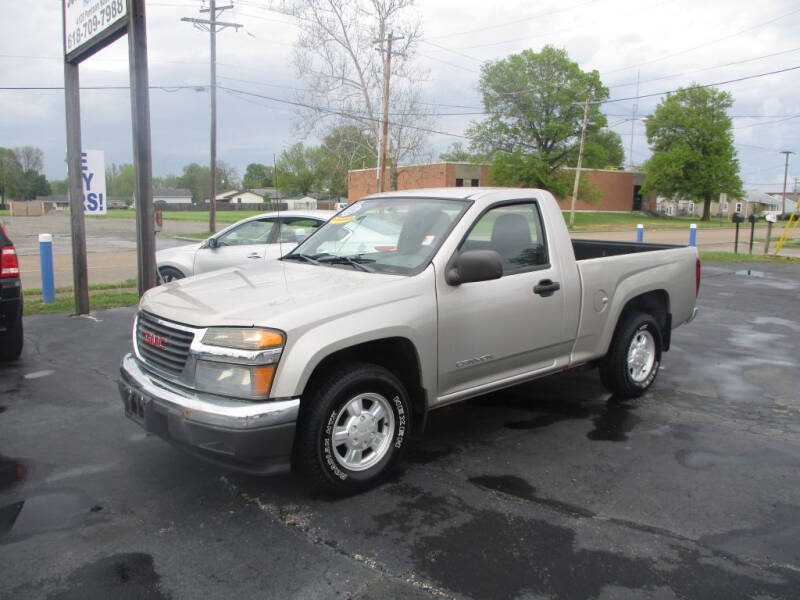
387	235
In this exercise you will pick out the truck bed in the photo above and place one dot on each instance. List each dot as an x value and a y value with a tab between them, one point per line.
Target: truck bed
586	249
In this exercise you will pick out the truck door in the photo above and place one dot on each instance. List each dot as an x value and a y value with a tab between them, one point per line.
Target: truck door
507	327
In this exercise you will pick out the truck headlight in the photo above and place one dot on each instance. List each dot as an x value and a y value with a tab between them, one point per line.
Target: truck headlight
238	361
240	381
246	338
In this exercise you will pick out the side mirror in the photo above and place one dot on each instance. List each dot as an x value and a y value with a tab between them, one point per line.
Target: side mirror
212	243
474	265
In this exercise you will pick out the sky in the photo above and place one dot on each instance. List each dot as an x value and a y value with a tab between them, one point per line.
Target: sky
665	43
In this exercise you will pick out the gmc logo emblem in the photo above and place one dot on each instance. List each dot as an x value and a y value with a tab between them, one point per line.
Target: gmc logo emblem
153	340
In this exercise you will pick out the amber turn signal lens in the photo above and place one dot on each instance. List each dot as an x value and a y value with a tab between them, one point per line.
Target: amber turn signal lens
261	338
244	338
262	379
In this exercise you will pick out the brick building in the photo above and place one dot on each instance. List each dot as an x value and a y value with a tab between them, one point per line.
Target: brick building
617	190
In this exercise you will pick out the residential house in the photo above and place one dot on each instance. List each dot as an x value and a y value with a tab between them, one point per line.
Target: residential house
172	196
240	197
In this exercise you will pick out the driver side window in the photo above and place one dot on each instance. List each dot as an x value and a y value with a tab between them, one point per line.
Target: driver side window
251	232
513	231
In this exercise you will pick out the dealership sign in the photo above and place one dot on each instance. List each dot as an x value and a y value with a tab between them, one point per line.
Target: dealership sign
93	180
91	24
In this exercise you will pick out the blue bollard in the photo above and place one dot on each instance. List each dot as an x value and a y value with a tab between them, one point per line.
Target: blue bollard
46	260
693	234
640	232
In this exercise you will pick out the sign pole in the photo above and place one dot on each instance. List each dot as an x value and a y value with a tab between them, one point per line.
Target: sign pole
142	155
80	272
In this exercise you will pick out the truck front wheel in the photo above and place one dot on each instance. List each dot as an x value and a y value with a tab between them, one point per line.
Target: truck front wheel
632	362
353	429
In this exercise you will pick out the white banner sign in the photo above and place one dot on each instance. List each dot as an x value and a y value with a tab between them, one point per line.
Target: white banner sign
93	180
86	20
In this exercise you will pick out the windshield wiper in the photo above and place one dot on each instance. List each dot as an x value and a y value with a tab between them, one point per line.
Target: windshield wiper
356	262
304	257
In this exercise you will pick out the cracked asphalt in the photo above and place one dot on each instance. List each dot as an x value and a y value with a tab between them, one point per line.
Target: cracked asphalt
547	490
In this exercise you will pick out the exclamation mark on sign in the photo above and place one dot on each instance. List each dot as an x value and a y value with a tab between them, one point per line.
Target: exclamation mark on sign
100	202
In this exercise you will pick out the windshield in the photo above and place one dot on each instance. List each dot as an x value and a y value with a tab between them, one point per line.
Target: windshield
387	235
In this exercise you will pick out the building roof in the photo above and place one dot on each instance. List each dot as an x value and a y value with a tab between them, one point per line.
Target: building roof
168	192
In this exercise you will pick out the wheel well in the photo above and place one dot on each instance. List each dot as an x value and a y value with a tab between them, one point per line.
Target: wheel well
395	354
655	303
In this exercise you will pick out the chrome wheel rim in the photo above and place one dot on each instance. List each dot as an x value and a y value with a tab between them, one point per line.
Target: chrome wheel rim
362	431
641	356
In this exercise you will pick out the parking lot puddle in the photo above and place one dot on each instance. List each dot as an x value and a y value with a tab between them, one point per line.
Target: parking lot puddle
41	513
750	273
518	487
613	422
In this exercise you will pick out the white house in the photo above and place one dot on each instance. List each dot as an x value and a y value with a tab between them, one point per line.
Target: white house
172	196
307	202
240	197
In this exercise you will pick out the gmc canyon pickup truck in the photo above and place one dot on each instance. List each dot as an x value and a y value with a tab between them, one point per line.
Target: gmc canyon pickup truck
401	304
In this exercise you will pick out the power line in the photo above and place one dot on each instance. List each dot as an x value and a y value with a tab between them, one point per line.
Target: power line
516	21
687	50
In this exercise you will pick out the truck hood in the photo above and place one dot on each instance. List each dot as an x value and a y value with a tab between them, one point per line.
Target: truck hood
273	294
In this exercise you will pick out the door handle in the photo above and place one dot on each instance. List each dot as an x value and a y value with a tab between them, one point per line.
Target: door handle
546	287
254	255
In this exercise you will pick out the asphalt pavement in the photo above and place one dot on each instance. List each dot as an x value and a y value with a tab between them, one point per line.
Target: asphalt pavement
548	490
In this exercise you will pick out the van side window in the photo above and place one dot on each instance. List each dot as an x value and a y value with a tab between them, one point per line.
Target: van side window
513	231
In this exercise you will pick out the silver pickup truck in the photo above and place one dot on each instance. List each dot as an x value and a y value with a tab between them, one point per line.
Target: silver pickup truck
401	304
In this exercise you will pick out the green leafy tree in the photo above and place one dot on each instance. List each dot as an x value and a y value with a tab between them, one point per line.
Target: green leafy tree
299	170
456	152
602	150
120	180
535	105
167	181
10	175
257	176
35	184
343	149
59	187
32	181
195	178
691	137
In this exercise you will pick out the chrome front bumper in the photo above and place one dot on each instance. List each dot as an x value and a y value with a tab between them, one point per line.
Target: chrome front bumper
249	436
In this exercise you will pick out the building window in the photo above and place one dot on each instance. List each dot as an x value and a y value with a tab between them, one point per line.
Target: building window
459	182
725	207
475	183
738	207
670	210
691	208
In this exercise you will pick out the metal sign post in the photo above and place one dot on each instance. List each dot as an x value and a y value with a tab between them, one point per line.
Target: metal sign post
88	26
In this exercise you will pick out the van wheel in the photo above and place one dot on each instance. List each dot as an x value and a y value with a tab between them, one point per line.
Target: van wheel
632	362
353	429
11	341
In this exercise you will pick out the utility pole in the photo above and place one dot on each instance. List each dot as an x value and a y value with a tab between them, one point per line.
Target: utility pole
580	162
387	73
633	121
212	25
785	171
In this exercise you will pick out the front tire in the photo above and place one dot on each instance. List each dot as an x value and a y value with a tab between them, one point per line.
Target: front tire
632	362
353	429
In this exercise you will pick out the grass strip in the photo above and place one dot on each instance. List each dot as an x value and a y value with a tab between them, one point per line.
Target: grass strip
714	256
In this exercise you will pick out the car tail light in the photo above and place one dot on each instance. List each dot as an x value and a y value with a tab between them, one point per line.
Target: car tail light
697	277
9	265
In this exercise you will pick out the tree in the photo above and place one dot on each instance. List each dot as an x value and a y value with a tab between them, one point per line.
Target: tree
59	187
30	159
345	148
195	178
602	150
457	153
298	171
343	74
31	162
34	184
535	107
10	175
257	176
120	180
691	136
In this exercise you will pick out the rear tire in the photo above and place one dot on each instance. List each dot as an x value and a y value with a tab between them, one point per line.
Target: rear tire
632	362
353	429
168	274
11	341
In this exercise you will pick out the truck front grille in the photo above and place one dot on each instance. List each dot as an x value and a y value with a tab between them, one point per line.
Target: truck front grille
163	346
